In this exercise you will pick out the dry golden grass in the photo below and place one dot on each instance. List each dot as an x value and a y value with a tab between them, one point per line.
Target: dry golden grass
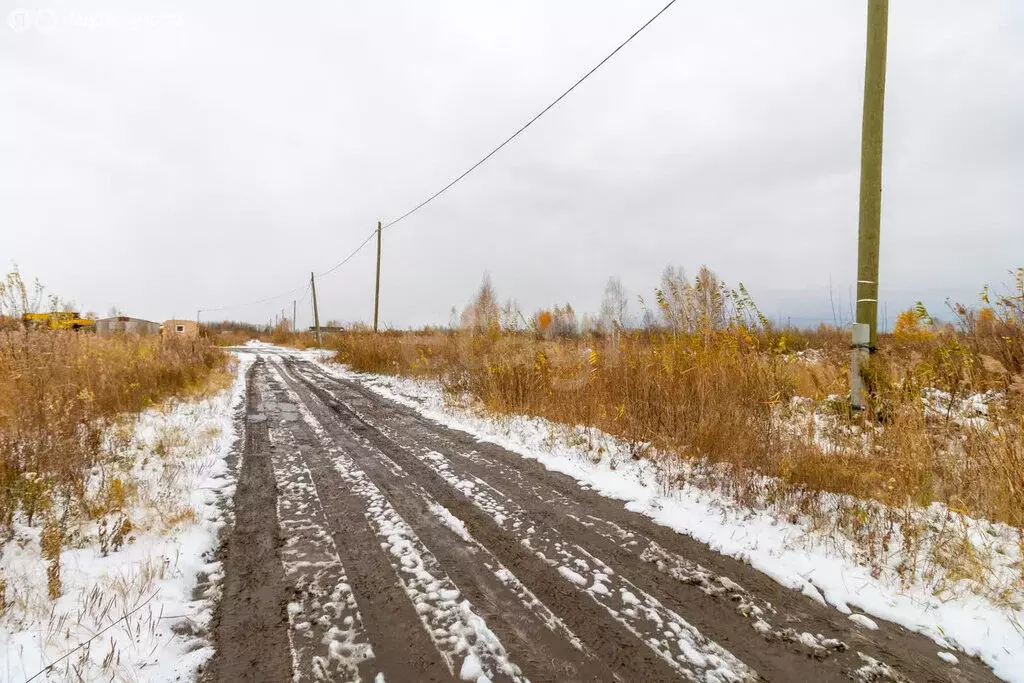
59	394
726	396
736	400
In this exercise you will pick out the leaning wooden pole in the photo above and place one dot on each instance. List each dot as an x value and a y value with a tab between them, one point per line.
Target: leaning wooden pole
376	293
316	313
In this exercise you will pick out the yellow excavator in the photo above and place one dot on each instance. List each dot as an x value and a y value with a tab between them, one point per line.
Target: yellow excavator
58	320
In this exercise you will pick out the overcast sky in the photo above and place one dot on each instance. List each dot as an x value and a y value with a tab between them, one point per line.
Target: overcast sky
165	157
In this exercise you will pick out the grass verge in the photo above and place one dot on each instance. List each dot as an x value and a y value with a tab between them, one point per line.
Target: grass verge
761	413
63	396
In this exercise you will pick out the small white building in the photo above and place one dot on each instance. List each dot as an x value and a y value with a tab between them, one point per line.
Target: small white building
181	328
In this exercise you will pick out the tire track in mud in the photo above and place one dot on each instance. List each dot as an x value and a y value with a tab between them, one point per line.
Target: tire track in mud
251	629
641	640
403	649
721	609
781	636
542	643
327	637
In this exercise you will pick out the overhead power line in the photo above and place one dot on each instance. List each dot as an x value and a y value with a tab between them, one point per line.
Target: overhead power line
529	123
253	303
348	258
507	140
469	170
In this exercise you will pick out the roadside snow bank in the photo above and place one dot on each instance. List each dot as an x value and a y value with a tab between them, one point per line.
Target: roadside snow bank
172	472
815	562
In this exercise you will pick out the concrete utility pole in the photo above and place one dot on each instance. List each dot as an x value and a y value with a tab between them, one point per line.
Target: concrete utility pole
869	223
295	315
316	313
376	293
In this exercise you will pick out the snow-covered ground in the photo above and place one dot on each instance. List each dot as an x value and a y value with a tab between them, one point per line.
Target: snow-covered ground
175	456
791	550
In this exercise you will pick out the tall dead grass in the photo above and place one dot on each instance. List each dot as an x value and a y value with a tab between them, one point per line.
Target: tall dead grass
59	393
716	385
723	397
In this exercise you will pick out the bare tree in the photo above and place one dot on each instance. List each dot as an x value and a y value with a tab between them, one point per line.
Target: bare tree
615	306
16	297
674	299
564	323
483	313
512	319
712	300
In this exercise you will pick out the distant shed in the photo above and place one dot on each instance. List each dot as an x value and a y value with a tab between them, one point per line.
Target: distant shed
184	328
126	325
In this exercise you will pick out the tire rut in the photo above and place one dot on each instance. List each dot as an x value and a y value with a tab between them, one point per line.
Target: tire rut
328	638
548	657
402	649
628	653
251	630
700	592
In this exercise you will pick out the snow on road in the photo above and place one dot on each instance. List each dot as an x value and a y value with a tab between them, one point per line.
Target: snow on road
461	636
682	645
791	553
311	563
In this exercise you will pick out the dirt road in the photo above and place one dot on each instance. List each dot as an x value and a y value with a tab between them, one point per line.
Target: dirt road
371	544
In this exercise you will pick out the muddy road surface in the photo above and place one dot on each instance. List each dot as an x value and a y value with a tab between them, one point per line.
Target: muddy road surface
371	544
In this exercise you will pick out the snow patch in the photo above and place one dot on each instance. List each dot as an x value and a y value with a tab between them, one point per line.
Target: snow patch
451	521
572	576
471	668
864	621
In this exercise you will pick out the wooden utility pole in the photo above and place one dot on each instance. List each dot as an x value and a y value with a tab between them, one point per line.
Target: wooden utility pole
871	167
316	313
376	293
295	315
869	223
